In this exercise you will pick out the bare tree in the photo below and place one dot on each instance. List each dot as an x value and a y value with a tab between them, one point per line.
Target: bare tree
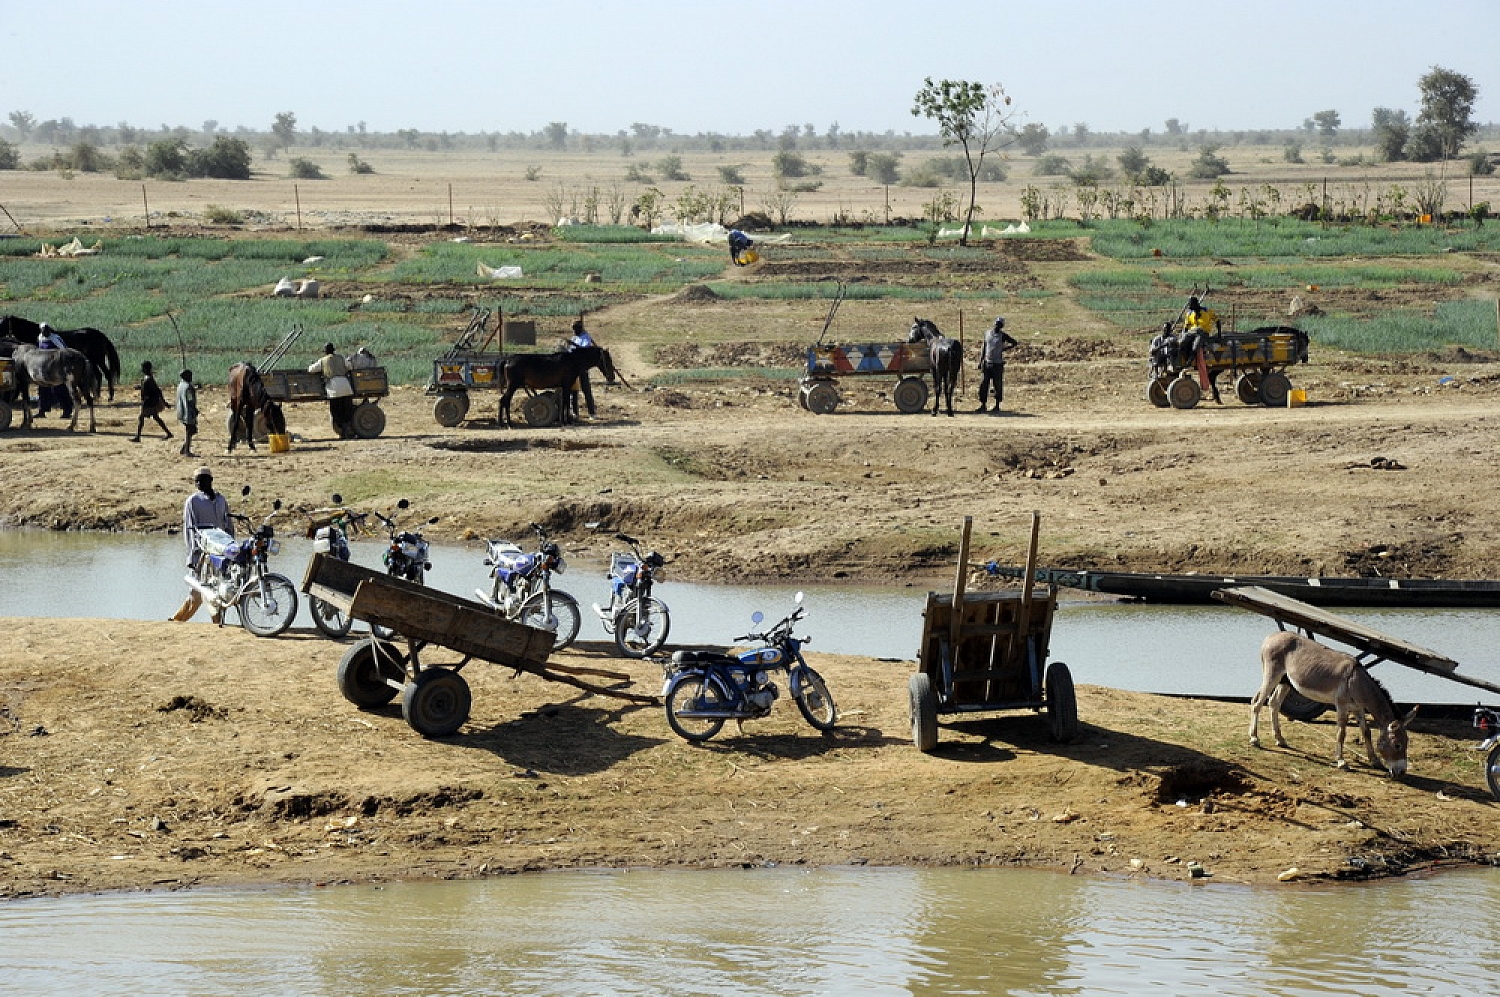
971	116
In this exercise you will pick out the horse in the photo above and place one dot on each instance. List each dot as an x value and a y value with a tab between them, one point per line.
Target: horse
1291	661
550	371
92	343
947	356
247	399
51	368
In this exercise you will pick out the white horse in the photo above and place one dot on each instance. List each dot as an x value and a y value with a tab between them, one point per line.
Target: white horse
1290	661
51	368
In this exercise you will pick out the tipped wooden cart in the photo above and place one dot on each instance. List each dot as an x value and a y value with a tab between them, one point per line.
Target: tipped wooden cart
435	699
989	654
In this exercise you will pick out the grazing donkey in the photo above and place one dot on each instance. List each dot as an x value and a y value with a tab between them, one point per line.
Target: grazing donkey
1291	661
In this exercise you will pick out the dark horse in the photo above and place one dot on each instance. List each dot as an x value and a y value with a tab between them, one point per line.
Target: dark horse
51	368
550	371
92	343
947	356
248	398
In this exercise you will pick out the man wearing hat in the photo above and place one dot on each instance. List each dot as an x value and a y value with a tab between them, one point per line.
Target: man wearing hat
204	509
992	363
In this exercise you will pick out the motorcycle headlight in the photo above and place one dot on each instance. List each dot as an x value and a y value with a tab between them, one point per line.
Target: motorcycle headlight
559	565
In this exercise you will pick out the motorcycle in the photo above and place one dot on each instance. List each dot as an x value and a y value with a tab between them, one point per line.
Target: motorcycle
1488	721
522	590
329	530
230	572
405	556
705	688
638	622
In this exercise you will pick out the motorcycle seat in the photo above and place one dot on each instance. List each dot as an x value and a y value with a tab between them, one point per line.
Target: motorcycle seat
701	658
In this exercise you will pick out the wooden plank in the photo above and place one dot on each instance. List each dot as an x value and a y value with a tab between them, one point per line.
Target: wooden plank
415	611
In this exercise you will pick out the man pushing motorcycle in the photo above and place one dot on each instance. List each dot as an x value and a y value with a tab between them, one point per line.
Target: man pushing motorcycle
205	509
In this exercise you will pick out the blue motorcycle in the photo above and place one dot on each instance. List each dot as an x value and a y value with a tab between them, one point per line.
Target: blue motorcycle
705	688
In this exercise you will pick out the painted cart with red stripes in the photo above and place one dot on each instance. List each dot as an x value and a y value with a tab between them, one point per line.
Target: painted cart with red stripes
907	363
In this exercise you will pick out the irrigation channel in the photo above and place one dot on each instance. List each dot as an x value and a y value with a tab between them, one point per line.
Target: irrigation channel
856	931
1190	650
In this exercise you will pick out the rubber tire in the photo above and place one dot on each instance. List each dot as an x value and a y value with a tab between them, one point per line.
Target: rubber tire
822	398
449	409
802	397
1492	771
436	703
695	688
1156	392
257	430
1184	393
251	619
362	669
1062	703
924	728
331	621
910	395
657	616
5	415
1298	707
1275	387
368	420
810	685
564	607
540	410
1247	388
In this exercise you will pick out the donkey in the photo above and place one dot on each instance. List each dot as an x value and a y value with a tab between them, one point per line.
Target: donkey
247	399
51	368
1291	661
546	371
947	356
92	343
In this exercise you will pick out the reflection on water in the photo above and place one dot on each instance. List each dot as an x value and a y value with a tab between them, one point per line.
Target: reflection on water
824	931
1195	650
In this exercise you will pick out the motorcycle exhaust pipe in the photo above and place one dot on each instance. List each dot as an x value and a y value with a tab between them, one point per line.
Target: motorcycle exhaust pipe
709	715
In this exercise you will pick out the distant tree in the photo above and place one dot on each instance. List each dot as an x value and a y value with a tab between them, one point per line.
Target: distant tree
10	156
1153	176
285	129
228	158
358	166
787	164
732	176
166	159
127	134
832	135
671	168
1175	127
859	163
1327	123
1133	162
971	116
1447	106
1080	133
210	126
86	158
1292	152
884	167
1033	139
1209	165
1391	130
410	136
305	169
23	122
1480	164
556	134
1052	166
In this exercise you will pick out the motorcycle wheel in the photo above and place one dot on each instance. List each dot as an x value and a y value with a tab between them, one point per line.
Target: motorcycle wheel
363	672
695	693
814	700
564	622
330	620
658	623
271	616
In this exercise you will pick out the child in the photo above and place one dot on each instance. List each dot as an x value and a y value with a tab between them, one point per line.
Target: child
187	411
152	404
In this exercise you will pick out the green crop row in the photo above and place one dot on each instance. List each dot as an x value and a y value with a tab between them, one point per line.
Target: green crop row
1243	239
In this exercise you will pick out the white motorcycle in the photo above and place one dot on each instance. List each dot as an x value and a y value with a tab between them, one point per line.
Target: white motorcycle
235	573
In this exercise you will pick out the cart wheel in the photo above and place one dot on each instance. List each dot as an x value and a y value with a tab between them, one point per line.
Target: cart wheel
540	410
368	421
5	416
1156	392
802	397
436	703
364	671
330	620
1247	388
1492	771
1062	702
1298	707
449	409
1184	392
910	395
822	398
1275	387
924	729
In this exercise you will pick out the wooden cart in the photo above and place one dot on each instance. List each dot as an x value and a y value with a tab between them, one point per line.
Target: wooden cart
435	699
826	365
1256	360
469	367
370	385
990	653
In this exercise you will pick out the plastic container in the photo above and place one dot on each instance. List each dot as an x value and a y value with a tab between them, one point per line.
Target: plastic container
280	442
1296	398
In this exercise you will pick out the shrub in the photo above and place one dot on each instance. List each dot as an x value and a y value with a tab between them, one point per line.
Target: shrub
166	159
671	169
1209	165
732	176
10	156
359	166
1292	153
883	167
1480	164
1052	166
223	216
227	159
305	169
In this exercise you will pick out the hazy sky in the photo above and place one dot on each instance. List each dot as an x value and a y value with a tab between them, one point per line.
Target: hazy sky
699	65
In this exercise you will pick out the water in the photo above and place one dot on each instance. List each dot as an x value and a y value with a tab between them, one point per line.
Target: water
785	932
1195	650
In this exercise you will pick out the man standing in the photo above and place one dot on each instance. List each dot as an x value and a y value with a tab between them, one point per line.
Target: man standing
204	509
992	363
577	340
336	388
187	410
